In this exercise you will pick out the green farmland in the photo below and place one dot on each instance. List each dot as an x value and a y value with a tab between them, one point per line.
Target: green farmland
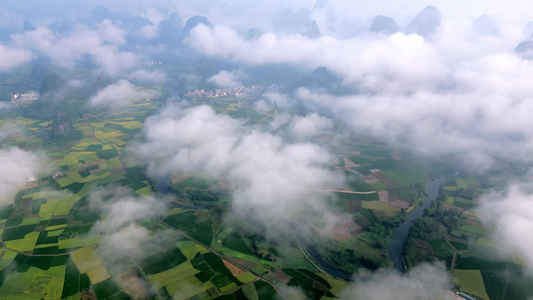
51	249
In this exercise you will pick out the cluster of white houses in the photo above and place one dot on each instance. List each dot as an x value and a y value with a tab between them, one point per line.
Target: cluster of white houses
229	92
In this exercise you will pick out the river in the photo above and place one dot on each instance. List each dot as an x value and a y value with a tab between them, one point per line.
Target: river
162	185
396	247
330	269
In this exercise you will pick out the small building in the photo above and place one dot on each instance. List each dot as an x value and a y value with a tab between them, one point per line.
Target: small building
57	174
466	296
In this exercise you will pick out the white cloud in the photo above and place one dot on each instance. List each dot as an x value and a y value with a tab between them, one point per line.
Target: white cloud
124	209
510	214
149	31
309	126
17	167
110	33
262	106
425	281
10	57
155	77
122	238
111	60
120	94
101	45
225	79
271	180
124	242
279	120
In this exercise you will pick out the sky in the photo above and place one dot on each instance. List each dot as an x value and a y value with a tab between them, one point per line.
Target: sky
446	84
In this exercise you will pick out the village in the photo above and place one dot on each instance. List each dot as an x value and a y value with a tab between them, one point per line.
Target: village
252	90
24	97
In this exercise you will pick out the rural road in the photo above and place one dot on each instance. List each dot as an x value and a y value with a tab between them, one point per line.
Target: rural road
308	259
222	257
267	115
346	192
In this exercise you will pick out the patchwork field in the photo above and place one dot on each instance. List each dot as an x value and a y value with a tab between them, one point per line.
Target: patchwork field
52	246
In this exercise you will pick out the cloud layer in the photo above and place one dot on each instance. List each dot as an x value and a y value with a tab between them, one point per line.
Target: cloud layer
271	179
10	58
459	91
225	79
122	238
510	214
17	168
425	281
100	45
120	94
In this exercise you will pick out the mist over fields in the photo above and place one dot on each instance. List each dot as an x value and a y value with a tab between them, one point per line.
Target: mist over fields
447	80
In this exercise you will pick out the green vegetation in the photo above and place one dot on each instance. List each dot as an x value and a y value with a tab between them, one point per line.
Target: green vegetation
235	242
494	284
403	178
159	262
360	186
194	183
54	221
108	289
72	280
308	282
265	290
471	282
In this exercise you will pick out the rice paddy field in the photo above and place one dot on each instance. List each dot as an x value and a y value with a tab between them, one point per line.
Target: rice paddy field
50	249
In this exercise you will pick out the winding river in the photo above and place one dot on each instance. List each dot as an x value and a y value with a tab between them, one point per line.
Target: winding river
396	247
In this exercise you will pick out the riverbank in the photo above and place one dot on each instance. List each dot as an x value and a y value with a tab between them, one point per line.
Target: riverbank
398	241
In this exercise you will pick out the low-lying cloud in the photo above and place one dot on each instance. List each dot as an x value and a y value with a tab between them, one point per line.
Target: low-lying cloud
458	90
271	179
120	94
425	281
123	208
10	58
510	215
18	166
121	236
153	77
101	45
477	127
225	79
462	91
309	126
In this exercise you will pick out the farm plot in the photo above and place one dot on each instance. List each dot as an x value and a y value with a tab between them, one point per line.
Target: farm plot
23	245
78	242
310	283
7	258
235	242
88	262
403	178
294	258
34	284
471	282
199	273
380	206
200	230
